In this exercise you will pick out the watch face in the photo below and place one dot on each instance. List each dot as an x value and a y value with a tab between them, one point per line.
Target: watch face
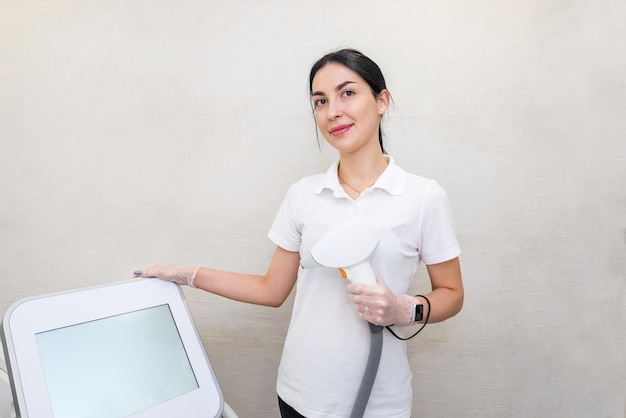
419	312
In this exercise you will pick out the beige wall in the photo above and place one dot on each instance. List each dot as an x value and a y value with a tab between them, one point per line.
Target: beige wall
137	131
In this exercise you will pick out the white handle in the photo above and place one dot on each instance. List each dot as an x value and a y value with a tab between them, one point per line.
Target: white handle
360	273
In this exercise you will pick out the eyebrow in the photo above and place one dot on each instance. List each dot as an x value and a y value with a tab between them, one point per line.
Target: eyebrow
339	87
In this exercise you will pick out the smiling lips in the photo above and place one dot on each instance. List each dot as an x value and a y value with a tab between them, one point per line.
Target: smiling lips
340	129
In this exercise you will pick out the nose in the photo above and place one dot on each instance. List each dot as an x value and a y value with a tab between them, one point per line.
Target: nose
333	110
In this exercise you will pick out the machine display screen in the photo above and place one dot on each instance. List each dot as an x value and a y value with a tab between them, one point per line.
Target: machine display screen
115	366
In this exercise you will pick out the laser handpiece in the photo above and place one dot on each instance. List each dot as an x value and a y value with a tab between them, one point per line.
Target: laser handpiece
346	247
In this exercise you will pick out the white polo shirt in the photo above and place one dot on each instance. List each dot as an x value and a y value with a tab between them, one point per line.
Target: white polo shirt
327	344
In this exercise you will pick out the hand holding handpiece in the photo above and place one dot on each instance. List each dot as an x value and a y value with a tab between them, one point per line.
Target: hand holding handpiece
348	248
383	306
183	275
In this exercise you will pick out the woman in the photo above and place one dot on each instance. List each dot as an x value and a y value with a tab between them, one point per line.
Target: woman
326	348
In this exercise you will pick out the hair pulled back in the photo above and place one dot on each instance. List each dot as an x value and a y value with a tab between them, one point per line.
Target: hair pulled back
367	69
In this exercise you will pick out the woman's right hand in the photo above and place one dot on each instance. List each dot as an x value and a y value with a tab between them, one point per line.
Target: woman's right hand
183	275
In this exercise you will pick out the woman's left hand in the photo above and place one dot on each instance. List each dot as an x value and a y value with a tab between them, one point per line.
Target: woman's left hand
379	305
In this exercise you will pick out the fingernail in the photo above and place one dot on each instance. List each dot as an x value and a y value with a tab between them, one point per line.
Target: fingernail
137	272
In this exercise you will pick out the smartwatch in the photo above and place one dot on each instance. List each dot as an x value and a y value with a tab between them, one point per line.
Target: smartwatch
418	312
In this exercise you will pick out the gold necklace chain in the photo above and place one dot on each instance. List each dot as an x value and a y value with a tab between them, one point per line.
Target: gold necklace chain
341	180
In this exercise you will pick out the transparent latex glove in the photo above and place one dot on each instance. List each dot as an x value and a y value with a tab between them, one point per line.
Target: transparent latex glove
379	305
173	273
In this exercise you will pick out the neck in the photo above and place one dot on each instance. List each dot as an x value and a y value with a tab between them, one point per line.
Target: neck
360	173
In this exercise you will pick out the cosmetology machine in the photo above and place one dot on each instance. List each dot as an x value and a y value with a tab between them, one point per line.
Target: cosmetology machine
127	349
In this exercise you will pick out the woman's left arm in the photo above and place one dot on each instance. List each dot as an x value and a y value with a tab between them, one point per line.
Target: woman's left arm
379	305
446	297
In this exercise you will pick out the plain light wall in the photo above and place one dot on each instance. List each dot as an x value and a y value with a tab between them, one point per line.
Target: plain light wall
142	131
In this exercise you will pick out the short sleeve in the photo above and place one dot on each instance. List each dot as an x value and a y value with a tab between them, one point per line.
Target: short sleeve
284	231
438	241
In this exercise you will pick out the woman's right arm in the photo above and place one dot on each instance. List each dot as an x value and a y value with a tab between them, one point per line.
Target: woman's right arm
272	289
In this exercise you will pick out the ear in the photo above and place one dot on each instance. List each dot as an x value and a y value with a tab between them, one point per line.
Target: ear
383	99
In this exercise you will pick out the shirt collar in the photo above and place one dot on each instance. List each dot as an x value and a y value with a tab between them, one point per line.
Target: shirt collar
392	180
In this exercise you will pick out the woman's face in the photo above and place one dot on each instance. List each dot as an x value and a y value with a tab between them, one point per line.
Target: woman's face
346	112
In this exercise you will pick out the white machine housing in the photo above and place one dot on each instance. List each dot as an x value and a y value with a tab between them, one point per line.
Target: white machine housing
29	323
